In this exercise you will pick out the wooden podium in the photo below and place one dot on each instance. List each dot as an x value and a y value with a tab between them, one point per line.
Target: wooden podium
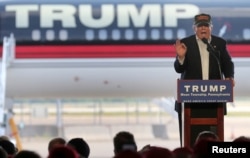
198	118
204	113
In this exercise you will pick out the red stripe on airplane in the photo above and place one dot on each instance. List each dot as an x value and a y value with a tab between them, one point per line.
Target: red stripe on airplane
94	51
239	50
110	51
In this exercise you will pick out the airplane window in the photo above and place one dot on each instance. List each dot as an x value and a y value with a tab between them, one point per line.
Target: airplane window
116	34
63	35
246	34
36	35
129	34
89	35
155	34
142	34
168	34
181	33
103	34
50	35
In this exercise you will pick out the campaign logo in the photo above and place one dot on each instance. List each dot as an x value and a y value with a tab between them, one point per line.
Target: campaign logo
194	91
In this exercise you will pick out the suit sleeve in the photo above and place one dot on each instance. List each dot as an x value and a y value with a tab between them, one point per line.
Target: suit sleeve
227	64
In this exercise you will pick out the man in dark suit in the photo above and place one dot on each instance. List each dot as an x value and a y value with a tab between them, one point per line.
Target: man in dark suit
194	61
203	56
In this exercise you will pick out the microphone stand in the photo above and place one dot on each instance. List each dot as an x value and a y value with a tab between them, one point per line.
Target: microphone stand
213	52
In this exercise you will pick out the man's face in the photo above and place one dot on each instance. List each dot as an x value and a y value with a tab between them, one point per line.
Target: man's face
203	30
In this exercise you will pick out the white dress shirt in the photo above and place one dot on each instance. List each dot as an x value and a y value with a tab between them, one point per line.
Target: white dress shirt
204	58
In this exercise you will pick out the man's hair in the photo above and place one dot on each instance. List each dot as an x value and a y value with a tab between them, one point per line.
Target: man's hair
80	145
207	135
56	141
3	153
8	146
63	152
124	141
26	154
158	152
242	139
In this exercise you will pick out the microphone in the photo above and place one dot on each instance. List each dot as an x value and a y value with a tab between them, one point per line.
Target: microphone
211	50
209	46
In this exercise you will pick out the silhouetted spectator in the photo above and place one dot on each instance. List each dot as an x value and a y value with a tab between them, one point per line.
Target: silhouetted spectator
242	139
27	154
58	141
3	137
183	152
124	140
128	154
200	149
144	148
63	152
207	135
3	153
157	152
8	146
81	146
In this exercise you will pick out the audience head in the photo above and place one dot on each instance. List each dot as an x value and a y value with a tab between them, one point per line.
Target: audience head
200	144
8	146
3	137
242	139
63	152
200	149
157	152
58	141
27	154
144	148
81	146
3	153
183	152
124	140
209	135
128	154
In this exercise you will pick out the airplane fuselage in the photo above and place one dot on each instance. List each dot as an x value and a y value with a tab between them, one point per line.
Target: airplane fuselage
89	49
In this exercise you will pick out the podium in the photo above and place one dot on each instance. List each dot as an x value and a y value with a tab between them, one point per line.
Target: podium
204	106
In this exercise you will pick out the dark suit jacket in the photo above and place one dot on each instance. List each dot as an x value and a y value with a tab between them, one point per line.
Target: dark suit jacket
191	68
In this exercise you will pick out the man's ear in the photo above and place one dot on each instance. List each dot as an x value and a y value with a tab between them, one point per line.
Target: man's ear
194	28
211	28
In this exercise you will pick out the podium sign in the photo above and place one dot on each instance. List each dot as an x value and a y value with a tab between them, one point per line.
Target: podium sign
197	91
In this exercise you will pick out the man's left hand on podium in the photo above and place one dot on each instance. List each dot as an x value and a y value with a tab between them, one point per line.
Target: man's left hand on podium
232	80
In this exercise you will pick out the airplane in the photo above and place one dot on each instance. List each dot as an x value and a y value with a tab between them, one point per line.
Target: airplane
110	49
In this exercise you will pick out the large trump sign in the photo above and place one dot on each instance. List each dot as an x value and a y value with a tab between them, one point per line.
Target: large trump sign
195	91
